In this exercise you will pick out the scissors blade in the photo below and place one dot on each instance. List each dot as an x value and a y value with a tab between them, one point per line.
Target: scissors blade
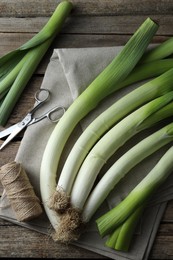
11	136
18	128
7	131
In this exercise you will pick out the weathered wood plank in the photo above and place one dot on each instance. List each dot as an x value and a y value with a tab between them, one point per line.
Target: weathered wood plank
30	244
22	25
11	41
92	24
123	7
42	246
123	24
162	248
88	24
27	8
163	244
165	229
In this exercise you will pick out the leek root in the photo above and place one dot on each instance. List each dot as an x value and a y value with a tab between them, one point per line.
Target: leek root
117	171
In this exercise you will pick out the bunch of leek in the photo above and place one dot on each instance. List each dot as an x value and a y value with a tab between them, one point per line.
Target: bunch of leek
86	201
104	84
74	219
17	67
156	65
121	220
148	91
140	119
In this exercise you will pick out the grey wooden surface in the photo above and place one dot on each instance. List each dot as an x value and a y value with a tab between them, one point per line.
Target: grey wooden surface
92	23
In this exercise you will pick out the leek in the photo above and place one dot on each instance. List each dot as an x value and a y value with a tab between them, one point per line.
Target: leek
111	141
121	238
102	86
18	66
109	117
143	191
123	165
159	52
146	71
69	228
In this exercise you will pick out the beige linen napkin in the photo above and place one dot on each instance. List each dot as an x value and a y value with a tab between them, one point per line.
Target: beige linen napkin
68	73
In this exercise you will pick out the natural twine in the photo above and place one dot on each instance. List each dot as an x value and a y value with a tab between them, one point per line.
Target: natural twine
20	192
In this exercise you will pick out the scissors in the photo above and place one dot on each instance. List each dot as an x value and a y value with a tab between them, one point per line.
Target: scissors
54	115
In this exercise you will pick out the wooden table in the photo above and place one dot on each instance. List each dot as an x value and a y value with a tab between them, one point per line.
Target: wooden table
92	23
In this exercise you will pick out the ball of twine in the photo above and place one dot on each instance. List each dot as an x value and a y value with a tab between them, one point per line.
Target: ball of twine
20	192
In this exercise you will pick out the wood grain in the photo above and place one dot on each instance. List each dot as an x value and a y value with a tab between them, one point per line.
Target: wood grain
30	8
88	24
31	244
37	245
11	41
91	24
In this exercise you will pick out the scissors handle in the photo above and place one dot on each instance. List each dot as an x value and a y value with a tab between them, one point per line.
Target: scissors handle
53	115
41	96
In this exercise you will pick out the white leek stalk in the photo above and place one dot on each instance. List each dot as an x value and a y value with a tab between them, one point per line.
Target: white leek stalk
72	221
102	124
110	143
123	165
102	86
109	117
143	191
